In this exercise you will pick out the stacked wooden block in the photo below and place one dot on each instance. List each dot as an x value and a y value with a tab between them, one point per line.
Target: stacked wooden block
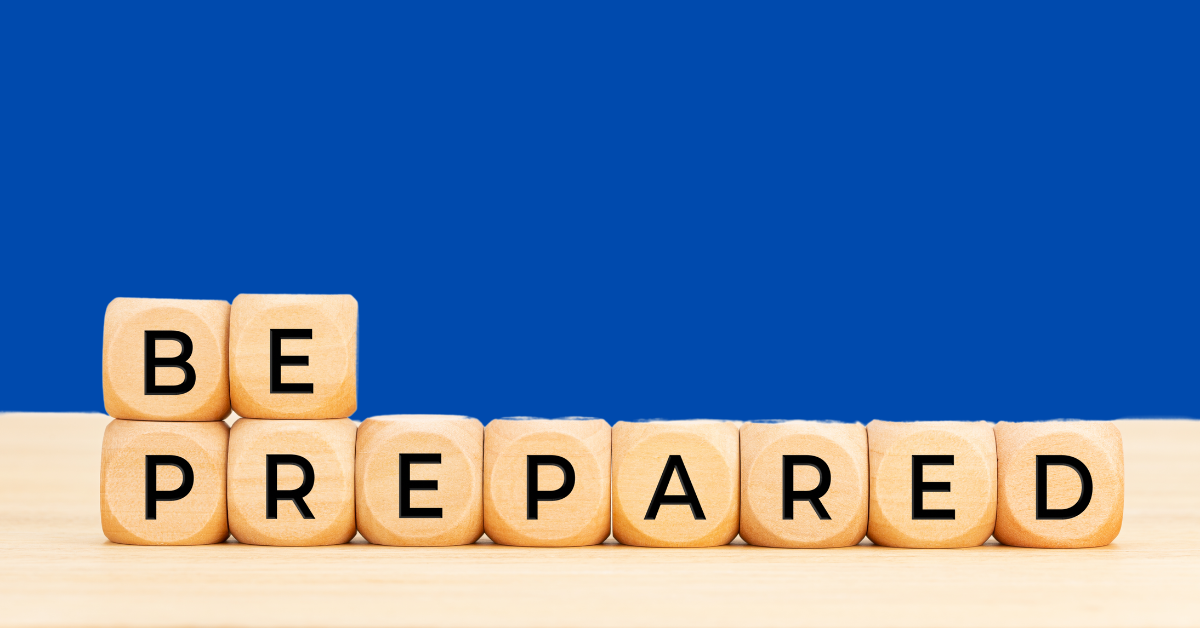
294	470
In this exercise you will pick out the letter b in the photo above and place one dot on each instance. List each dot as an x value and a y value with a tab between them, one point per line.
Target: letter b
180	362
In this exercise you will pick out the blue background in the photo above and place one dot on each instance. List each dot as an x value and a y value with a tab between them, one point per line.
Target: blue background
674	210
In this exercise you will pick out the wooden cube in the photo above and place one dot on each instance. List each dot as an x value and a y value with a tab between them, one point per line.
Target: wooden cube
163	483
293	356
291	482
933	483
1061	483
546	481
166	359
419	480
804	484
675	483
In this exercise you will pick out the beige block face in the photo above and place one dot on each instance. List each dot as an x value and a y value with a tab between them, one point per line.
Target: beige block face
1067	517
166	455
773	451
645	453
258	445
444	498
179	328
581	516
971	494
315	356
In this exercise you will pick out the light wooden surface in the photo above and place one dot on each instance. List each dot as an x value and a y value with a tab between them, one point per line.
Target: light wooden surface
56	569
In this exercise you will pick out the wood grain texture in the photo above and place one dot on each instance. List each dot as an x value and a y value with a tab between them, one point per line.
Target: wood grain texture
579	518
56	569
327	445
966	477
457	477
330	356
842	447
199	517
1095	445
206	325
644	453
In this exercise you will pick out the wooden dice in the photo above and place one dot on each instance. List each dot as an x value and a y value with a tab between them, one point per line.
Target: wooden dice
173	473
1061	483
293	356
163	483
291	482
546	481
804	484
419	480
166	359
675	483
933	483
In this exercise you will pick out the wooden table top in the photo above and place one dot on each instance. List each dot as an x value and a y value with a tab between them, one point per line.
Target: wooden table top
57	569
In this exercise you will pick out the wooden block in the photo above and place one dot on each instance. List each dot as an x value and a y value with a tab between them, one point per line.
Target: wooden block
675	483
293	356
291	482
546	481
166	359
419	480
163	483
1061	483
933	483
804	484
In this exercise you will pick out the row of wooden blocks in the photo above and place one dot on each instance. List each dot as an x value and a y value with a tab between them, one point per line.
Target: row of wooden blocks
269	356
446	480
174	473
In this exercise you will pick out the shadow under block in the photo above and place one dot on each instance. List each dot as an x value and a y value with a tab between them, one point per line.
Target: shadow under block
311	500
166	359
933	483
419	480
804	484
546	481
163	483
675	483
1043	500
293	356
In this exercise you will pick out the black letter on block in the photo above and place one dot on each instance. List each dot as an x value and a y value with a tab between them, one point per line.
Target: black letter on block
279	361
675	464
533	495
1085	495
407	485
296	494
920	487
180	362
153	495
814	496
